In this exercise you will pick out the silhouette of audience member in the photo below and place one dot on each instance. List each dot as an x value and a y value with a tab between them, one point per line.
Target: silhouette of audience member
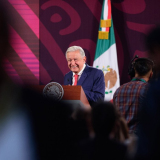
15	126
149	126
104	118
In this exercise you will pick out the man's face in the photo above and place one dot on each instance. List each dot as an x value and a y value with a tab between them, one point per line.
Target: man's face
75	61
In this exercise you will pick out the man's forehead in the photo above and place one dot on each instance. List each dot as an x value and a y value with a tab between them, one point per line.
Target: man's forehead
74	54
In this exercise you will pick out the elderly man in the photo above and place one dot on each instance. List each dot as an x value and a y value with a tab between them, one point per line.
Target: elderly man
91	79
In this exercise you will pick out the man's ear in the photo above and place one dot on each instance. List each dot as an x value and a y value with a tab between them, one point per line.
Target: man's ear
84	58
151	74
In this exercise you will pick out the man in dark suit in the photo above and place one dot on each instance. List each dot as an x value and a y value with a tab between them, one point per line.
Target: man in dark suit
91	79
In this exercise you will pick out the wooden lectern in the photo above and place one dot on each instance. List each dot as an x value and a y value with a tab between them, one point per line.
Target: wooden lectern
75	94
72	94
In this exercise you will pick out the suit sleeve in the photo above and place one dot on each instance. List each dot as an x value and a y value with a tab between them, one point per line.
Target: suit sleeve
68	79
65	80
97	92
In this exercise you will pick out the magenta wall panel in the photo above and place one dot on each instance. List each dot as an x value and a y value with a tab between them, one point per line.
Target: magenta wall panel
22	64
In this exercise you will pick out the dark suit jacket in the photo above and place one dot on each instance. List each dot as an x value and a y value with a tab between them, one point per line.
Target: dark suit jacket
92	82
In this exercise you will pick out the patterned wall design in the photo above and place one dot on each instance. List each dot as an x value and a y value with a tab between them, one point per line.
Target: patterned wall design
132	20
42	30
23	62
66	23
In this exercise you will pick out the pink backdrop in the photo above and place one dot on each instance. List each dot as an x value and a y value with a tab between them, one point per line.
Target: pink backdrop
42	30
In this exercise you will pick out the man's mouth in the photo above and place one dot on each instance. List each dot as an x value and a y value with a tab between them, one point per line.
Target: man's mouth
73	67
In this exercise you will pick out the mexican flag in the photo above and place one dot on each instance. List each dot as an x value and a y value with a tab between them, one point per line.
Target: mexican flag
106	53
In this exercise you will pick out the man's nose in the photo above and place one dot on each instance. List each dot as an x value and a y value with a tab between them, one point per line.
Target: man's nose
73	62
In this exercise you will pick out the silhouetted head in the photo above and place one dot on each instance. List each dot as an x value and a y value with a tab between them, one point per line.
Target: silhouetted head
140	67
104	116
143	66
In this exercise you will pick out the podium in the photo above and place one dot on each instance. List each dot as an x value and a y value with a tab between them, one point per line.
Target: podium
76	95
73	95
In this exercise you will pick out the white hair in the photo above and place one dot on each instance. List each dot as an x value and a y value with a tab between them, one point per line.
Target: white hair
75	48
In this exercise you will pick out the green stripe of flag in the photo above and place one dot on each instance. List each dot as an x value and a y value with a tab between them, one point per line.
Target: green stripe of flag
104	44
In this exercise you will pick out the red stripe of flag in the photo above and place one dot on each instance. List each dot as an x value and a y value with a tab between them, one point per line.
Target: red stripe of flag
109	13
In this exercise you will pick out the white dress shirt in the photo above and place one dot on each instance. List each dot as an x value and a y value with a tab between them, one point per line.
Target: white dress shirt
79	74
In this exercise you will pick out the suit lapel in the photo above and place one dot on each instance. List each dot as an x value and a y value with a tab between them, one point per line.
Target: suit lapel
83	76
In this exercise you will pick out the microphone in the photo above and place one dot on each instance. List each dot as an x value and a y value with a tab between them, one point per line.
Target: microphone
131	71
68	81
136	56
52	80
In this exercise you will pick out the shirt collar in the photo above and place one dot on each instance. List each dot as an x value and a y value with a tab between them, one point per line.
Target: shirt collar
138	79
